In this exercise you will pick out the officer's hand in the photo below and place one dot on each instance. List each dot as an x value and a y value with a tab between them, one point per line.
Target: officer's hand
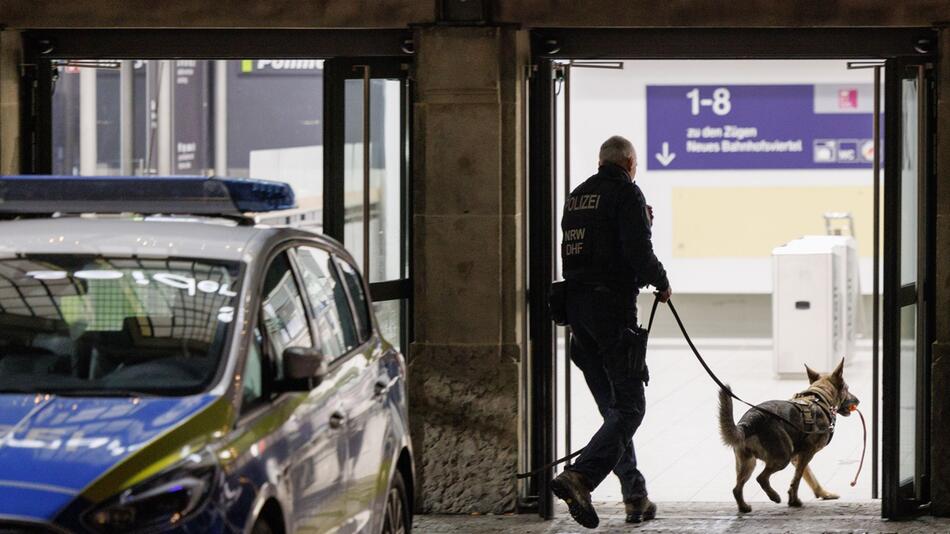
664	295
650	213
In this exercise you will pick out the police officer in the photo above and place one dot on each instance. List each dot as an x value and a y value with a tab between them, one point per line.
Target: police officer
607	256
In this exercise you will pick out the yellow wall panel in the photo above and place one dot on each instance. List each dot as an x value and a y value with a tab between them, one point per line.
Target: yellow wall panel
717	222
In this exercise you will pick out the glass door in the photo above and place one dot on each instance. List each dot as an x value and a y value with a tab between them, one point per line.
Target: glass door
366	107
907	304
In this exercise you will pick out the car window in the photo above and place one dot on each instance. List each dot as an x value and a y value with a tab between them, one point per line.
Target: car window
87	323
354	283
333	320
253	375
282	313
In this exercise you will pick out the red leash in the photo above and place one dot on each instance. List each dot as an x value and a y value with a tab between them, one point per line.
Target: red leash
863	448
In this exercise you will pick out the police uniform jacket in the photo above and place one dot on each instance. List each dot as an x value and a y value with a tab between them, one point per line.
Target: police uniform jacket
606	234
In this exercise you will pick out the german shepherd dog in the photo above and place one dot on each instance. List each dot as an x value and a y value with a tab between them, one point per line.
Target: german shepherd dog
759	435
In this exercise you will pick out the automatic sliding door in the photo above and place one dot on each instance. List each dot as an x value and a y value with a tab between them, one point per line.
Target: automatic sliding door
367	130
907	338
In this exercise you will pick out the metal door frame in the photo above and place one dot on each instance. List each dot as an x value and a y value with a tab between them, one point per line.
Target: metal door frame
336	72
541	380
42	47
638	44
903	500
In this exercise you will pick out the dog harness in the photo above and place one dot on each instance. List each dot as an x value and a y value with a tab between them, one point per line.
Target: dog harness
815	410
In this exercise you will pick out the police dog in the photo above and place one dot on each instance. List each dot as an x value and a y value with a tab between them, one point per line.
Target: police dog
775	441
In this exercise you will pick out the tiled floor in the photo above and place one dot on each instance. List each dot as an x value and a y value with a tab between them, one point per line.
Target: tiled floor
690	473
698	518
678	445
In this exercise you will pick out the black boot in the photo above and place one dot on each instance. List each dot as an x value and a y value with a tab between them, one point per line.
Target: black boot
642	509
574	490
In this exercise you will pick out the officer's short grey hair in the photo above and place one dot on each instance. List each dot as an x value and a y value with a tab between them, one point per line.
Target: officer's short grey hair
616	150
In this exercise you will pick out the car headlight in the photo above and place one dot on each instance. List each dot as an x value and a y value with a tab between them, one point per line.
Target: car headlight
159	502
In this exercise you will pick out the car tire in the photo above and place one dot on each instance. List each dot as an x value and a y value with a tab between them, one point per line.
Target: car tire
397	518
261	527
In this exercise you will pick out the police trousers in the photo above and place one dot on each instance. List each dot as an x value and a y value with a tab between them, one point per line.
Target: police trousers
598	316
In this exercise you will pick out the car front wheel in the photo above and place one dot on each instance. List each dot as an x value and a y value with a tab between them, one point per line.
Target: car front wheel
396	520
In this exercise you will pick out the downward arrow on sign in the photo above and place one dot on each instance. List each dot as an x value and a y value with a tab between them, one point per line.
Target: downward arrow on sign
665	157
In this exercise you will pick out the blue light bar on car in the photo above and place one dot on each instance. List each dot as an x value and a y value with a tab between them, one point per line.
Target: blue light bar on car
186	195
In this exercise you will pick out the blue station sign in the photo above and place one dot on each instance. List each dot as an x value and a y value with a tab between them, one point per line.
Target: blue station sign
714	127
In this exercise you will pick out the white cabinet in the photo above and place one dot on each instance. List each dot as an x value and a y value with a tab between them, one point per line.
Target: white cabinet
814	303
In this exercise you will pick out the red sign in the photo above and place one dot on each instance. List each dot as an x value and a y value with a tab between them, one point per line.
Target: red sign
848	99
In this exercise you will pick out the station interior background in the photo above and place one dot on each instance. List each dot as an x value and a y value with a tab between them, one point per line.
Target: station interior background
476	416
714	230
257	118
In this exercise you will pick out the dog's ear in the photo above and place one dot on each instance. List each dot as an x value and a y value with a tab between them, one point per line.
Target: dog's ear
812	375
838	373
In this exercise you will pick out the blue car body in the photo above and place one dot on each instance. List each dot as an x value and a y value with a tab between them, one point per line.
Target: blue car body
323	456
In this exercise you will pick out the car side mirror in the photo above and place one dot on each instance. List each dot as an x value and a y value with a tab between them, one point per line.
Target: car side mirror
304	367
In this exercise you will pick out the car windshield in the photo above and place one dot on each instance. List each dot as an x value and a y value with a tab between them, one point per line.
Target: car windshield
88	325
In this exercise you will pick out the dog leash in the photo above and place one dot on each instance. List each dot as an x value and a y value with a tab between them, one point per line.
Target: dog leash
773	414
863	448
715	378
702	362
578	452
763	410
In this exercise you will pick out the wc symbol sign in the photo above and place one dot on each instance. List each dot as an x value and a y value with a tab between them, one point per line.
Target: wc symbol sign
842	151
847	151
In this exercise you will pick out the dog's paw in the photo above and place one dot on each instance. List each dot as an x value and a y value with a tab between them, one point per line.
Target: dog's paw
744	508
827	496
795	503
774	496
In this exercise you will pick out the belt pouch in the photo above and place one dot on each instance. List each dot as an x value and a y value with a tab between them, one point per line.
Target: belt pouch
636	344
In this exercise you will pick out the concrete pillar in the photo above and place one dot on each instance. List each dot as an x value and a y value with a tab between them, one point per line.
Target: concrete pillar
10	50
469	186
940	435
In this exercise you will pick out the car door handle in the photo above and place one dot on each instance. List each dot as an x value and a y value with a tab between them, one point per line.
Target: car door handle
337	420
383	385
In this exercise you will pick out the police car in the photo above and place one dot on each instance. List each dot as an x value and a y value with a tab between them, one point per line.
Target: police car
167	364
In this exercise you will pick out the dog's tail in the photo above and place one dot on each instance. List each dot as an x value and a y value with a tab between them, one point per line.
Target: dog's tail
731	435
